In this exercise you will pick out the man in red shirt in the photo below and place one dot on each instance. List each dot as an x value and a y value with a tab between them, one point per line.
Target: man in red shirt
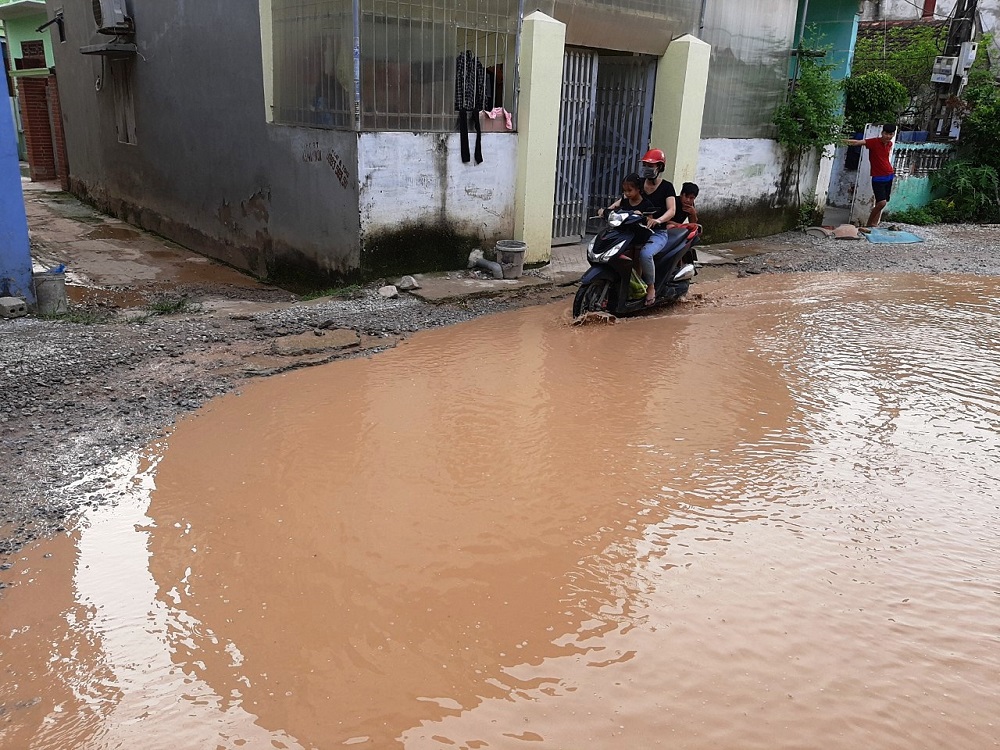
879	151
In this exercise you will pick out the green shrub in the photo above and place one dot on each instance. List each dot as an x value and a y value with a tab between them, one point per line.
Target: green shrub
874	97
918	216
973	189
981	119
907	55
970	183
808	213
810	118
350	291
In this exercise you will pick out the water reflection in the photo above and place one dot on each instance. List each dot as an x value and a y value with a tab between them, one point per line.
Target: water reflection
763	522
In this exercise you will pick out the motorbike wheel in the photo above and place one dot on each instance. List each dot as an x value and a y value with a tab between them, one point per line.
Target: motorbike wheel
593	297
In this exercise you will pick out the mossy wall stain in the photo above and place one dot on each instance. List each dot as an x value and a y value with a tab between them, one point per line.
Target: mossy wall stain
414	248
295	271
745	221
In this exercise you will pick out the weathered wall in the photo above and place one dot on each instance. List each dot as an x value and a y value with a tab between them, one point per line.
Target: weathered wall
206	169
15	255
748	187
833	26
418	200
842	181
912	188
22	29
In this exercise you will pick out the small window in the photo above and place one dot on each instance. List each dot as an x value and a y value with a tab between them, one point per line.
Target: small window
121	81
402	74
32	56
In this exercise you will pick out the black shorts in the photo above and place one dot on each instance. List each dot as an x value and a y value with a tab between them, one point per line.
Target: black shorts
881	190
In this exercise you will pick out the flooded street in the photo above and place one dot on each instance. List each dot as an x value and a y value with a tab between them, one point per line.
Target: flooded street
768	521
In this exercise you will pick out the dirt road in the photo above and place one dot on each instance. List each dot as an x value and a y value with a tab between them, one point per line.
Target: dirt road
78	392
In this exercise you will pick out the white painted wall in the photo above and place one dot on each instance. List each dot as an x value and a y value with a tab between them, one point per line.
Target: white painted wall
989	17
743	170
420	177
864	196
900	10
842	181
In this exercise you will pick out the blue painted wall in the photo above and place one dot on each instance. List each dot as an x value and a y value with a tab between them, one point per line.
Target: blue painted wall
831	25
15	253
914	162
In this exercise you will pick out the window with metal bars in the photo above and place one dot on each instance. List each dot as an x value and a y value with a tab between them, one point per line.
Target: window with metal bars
406	61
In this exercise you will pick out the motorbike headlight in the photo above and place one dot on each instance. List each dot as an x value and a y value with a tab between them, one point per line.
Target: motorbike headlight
616	219
607	254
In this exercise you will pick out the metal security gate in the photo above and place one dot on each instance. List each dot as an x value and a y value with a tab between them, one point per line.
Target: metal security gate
623	115
604	123
576	141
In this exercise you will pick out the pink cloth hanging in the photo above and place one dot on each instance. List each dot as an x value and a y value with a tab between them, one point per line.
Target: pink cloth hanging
495	113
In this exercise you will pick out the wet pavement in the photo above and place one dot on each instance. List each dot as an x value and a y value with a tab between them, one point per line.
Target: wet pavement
768	521
112	263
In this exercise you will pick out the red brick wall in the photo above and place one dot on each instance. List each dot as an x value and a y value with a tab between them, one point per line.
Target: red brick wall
32	93
58	134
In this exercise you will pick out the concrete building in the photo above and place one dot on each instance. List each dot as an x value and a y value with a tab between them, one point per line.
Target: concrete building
314	140
35	95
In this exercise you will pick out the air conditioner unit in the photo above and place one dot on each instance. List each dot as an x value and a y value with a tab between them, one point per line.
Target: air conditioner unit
944	69
112	17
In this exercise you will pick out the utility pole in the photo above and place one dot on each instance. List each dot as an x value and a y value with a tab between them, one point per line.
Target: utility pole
962	29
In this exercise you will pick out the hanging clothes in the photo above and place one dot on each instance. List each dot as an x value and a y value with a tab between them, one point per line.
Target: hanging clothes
470	95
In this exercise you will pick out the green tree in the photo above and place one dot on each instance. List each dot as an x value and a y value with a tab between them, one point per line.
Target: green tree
874	97
810	117
980	113
907	55
970	184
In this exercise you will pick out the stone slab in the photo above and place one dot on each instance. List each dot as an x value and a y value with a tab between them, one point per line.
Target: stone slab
316	342
707	258
441	287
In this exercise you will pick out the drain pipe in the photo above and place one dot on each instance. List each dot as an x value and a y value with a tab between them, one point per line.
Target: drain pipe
701	18
494	268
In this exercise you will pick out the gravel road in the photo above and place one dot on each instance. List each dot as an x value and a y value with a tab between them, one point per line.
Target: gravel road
75	397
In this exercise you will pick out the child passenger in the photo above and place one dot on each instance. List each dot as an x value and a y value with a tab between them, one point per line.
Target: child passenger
686	212
633	199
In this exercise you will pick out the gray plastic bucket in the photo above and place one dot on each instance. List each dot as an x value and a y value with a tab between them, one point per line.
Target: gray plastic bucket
510	256
50	293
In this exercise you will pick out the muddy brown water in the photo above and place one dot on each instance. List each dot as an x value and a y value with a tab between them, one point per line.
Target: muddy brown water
766	521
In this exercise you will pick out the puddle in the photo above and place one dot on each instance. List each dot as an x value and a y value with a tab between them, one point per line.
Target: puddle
765	521
110	298
109	232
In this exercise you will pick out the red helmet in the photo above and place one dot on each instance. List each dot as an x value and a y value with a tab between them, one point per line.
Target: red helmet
655	155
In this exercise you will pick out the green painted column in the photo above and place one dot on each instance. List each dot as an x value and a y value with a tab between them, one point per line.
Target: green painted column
679	104
541	61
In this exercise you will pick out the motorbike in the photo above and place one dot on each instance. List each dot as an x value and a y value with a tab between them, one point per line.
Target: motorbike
608	286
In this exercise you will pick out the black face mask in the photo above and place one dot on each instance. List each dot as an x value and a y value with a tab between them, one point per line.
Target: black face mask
648	171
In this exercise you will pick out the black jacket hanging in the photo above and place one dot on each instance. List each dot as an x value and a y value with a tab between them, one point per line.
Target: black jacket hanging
470	93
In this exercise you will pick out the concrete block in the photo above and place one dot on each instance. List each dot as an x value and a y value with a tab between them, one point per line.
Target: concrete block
12	307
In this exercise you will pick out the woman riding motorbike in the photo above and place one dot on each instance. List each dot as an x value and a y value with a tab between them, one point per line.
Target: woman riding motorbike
661	194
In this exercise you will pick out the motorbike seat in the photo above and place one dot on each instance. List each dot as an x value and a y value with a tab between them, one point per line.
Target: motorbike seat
675	238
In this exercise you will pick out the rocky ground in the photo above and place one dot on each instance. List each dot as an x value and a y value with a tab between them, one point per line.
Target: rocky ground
78	392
